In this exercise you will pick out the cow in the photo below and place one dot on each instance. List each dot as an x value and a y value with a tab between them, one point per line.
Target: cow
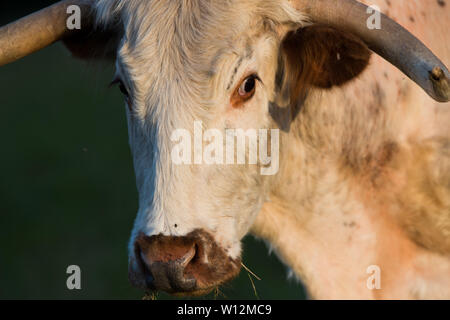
361	108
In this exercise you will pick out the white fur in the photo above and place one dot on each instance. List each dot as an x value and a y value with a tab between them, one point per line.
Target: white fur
193	51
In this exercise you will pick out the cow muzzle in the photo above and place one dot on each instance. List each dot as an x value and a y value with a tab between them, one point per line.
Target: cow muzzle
188	265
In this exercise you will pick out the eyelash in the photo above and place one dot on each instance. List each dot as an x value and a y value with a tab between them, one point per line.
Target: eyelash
123	89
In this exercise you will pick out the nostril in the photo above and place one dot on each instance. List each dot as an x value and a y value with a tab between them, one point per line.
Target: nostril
144	271
163	261
188	257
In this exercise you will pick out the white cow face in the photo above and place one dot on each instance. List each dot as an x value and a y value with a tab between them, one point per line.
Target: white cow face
209	99
204	144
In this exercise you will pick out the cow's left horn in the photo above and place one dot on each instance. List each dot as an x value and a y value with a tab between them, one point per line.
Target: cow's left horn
392	42
40	29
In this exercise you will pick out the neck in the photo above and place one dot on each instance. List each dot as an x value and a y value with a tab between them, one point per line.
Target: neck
351	252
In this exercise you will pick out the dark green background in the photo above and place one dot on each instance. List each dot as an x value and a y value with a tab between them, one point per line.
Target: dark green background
67	189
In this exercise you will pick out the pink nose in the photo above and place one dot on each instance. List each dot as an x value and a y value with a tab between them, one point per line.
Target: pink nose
192	264
165	260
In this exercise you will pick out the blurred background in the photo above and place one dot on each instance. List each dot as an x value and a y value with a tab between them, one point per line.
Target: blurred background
67	187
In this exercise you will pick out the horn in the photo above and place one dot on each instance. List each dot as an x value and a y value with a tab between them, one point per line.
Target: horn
40	29
392	42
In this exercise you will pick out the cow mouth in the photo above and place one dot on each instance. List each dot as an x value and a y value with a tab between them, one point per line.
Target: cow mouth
161	267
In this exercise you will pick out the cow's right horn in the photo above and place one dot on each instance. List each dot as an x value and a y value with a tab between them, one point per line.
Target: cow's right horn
40	29
391	41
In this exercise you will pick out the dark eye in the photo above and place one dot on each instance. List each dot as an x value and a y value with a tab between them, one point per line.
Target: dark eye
121	86
245	91
248	87
122	89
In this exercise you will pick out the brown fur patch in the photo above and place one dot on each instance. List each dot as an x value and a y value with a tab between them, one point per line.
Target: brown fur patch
323	57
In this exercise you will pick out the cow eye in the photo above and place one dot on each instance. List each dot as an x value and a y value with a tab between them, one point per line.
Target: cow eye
248	87
245	91
122	89
121	86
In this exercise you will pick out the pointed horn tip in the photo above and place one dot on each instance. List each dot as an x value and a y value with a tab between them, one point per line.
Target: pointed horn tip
441	84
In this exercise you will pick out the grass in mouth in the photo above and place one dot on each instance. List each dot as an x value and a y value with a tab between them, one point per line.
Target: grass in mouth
153	296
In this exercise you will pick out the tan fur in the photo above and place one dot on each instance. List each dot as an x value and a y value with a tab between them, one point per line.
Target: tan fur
367	181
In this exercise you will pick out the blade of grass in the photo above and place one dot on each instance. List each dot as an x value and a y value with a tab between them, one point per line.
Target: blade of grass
217	293
150	296
250	271
253	285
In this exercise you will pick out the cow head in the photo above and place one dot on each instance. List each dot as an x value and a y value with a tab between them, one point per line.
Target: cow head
198	76
193	73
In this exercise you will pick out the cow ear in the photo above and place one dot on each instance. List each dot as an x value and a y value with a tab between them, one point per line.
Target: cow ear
322	57
98	45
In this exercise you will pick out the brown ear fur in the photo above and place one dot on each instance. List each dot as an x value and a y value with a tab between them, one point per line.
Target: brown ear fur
323	57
